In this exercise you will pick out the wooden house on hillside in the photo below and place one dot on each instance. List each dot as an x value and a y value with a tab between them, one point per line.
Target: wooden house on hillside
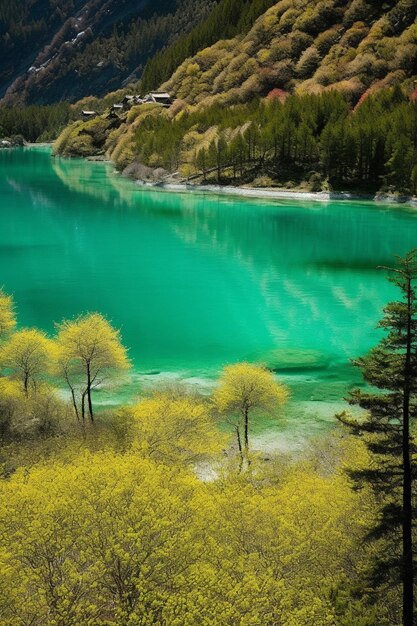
89	114
160	97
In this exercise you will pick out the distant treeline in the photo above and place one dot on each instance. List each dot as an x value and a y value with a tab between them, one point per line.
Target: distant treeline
310	137
34	123
226	20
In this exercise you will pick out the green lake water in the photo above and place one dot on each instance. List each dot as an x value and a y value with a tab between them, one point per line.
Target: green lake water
196	281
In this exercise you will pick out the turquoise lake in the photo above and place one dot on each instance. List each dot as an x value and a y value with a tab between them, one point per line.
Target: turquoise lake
195	281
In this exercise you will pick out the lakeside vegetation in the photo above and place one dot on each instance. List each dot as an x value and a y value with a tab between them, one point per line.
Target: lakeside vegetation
35	123
153	514
312	142
266	94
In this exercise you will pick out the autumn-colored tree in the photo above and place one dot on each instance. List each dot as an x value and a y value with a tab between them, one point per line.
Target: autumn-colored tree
12	398
88	353
176	428
244	389
27	355
110	538
7	317
104	539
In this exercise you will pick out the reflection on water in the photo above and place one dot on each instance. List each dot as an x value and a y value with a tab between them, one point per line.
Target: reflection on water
195	280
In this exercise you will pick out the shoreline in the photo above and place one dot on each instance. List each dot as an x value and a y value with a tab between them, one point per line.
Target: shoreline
271	193
282	194
42	144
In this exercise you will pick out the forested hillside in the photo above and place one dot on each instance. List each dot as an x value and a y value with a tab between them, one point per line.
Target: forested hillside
34	123
273	104
228	18
307	46
315	142
54	51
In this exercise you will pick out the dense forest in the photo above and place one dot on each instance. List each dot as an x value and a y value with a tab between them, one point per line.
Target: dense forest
227	19
306	47
35	123
161	512
316	142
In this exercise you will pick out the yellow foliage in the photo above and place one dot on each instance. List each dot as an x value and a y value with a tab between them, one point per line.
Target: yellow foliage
105	536
26	355
248	386
244	388
7	317
118	539
12	398
172	429
264	55
88	348
192	69
90	339
31	414
269	20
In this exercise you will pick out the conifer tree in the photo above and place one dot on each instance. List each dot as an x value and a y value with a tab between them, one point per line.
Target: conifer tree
391	368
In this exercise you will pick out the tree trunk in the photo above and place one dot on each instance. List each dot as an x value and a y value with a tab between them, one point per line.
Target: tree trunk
408	569
407	543
90	403
83	406
239	445
74	404
246	421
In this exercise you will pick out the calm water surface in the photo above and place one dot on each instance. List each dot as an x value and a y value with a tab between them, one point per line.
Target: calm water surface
195	281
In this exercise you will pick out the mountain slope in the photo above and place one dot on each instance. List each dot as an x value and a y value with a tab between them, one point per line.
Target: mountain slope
54	51
306	46
349	123
228	18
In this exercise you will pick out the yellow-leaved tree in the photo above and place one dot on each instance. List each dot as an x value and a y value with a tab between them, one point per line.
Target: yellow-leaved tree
245	389
105	539
27	355
176	428
110	538
7	316
88	352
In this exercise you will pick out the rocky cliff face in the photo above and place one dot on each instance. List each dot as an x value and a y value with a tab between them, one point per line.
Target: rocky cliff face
55	50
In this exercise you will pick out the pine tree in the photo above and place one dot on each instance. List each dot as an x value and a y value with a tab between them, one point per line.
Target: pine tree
391	367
